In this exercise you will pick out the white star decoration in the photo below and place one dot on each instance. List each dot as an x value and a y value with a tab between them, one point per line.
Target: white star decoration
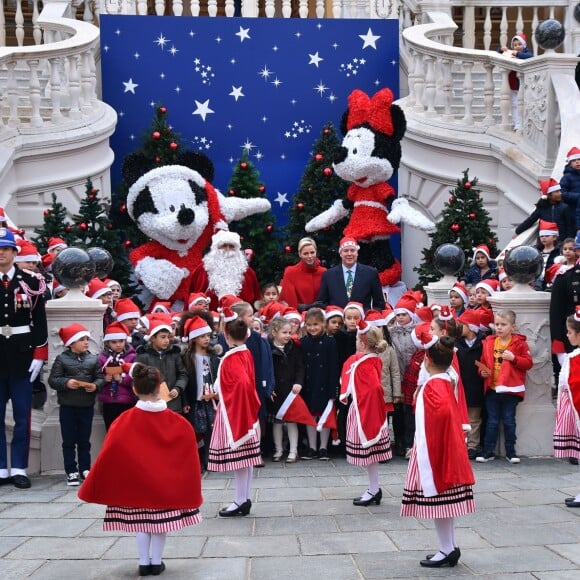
276	82
237	92
243	34
320	88
265	73
248	145
315	59
202	109
130	86
282	198
369	39
161	41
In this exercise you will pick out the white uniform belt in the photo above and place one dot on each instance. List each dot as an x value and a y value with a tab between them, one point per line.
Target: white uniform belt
8	331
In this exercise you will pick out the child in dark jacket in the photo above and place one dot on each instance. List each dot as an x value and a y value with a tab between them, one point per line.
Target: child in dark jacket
160	352
76	377
482	267
570	184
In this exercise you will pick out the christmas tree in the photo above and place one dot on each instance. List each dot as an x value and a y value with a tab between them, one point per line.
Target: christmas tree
319	188
55	225
464	222
257	232
93	228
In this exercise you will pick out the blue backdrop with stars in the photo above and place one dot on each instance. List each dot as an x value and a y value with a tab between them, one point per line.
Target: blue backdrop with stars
268	85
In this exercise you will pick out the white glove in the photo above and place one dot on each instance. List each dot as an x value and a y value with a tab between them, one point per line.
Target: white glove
561	356
35	368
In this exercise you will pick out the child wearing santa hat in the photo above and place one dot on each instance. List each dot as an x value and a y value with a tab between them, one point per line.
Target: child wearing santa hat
570	183
117	395
482	266
76	376
549	250
98	290
367	427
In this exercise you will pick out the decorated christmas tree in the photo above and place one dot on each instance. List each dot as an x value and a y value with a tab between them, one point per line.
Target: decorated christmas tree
55	225
464	222
257	232
319	188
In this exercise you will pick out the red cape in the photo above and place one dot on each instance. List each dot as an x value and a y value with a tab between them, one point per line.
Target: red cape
148	460
574	379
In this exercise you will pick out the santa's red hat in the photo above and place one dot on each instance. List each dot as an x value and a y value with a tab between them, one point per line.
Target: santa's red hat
161	308
194	327
228	300
126	308
27	252
116	331
362	327
347	242
471	318
56	243
229	315
548	186
521	37
357	306
222	237
97	288
157	323
375	318
574	153
328	420
294	410
331	311
422	337
483	249
460	289
197	299
548	228
490	286
72	333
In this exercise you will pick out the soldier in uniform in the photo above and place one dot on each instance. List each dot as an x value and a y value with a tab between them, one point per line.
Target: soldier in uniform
23	349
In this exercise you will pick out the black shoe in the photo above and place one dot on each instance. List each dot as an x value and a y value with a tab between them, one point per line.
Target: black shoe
429	556
21	481
5	480
323	454
450	560
310	454
472	454
399	449
573	460
157	569
144	570
572	503
373	499
241	510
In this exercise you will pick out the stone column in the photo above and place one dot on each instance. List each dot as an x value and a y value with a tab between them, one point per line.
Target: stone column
535	415
438	292
74	307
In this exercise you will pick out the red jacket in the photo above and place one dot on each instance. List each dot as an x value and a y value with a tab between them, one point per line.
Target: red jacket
300	284
512	374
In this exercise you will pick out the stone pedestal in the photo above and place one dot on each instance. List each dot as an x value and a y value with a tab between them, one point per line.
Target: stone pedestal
438	292
536	414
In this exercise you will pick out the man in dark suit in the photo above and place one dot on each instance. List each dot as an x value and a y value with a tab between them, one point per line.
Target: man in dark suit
351	281
23	349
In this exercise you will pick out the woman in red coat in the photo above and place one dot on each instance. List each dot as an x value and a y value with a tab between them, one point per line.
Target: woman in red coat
301	282
439	476
147	473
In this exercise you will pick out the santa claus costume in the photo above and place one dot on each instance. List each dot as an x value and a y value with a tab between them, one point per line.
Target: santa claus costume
235	441
147	473
367	423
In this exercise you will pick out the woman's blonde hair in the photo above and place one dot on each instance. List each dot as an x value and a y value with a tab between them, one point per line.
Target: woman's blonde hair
306	242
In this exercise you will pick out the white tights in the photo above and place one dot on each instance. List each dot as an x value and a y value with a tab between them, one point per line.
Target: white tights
324	436
153	542
243	485
278	433
445	529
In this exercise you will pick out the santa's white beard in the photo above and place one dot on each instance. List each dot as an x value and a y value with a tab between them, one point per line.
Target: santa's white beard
225	271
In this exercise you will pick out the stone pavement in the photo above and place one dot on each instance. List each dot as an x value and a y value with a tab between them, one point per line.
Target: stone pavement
303	526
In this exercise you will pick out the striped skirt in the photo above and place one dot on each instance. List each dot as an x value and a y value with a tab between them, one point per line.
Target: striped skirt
566	432
153	521
363	456
457	501
222	457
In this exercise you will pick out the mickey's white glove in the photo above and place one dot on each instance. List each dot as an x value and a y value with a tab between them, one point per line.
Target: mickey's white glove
35	368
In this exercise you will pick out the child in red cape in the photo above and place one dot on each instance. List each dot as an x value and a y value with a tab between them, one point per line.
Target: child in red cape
145	448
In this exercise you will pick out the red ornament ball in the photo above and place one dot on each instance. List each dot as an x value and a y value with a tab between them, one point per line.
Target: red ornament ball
300	206
472	216
451	199
467	185
232	192
109	226
328	171
173	145
94	191
262	189
157	159
68	229
455	228
123	209
287	249
46	212
319	157
127	243
91	197
309	190
83	226
327	229
162	110
156	135
326	131
269	228
243	165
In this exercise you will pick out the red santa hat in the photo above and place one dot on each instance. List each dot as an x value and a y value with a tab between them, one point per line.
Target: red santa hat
97	288
328	420
553	272
485	318
225	237
574	153
521	37
292	314
47	261
548	228
116	331
57	287
502	275
271	310
577	313
445	313
194	327
110	283
460	289
375	318
471	318
362	327
72	333
490	286
422	337
347	242
228	300
157	323
408	303
483	249
294	410
128	368
229	315
424	314
548	186
197	298
216	316
161	308
331	311
56	243
125	308
27	253
357	306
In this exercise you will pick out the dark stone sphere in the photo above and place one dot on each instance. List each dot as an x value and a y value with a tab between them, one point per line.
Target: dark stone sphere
577	12
550	34
523	264
449	259
103	261
73	268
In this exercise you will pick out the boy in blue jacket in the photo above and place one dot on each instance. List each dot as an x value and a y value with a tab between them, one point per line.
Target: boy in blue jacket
570	183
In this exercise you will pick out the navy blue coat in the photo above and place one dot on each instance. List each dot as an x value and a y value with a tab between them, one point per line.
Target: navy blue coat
473	275
570	184
559	213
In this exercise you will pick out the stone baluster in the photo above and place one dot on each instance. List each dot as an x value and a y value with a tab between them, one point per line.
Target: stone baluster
85	84
93	77
35	118
2	25
286	9
320	9
303	8
551	13
336	9
411	100
194	8
447	63
19	21
55	89
468	92
12	89
519	20
487	28
74	86
469	27
419	83
535	22
142	8
521	108
159	7
430	91
270	9
177	7
488	94
88	12
505	100
230	8
503	27
36	31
